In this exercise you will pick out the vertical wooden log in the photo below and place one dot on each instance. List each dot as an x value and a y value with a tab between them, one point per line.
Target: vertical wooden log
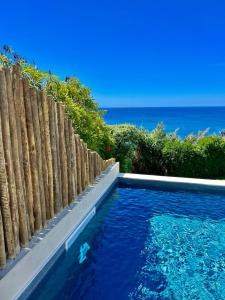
5	205
2	244
45	107
83	170
102	165
68	155
73	161
78	163
23	226
86	165
93	166
99	164
96	164
90	166
33	157
44	163
63	154
58	154
37	136
43	154
98	169
19	103
54	148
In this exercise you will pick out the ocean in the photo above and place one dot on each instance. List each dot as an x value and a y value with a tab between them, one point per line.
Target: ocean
187	119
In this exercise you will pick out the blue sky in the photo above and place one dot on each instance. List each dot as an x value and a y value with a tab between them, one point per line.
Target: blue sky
130	53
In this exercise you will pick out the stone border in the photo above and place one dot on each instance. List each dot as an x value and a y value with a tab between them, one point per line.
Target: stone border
206	185
15	283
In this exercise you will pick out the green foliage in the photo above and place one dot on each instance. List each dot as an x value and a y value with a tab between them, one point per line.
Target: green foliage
159	153
126	140
80	106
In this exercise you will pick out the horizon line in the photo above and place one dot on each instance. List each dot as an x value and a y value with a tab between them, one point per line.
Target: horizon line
191	106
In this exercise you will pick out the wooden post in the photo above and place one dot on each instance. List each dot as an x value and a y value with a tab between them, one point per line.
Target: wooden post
68	155
73	160
99	164
19	104
56	172
44	164
45	107
89	167
33	157
37	136
15	83
58	154
78	160
87	179
63	154
92	166
5	206
96	164
83	170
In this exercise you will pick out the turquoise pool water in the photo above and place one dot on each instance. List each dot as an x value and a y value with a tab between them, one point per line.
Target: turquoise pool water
145	244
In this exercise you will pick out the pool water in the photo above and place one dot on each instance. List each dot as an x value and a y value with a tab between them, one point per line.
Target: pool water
145	244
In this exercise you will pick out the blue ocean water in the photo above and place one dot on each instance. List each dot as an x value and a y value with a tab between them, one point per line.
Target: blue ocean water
145	244
187	119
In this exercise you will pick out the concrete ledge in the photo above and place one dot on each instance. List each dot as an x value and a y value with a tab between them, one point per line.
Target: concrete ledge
174	182
17	280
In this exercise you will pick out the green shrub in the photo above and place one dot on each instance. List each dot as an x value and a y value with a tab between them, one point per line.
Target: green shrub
212	149
181	159
126	140
159	153
81	107
149	159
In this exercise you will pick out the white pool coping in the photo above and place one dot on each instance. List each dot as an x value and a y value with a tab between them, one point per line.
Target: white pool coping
179	182
16	281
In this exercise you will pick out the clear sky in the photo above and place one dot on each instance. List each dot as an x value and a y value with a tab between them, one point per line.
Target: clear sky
130	53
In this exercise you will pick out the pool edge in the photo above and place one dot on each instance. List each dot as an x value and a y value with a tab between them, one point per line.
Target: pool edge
207	185
15	283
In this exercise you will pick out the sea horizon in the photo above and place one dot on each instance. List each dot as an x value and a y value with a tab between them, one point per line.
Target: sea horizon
189	120
189	106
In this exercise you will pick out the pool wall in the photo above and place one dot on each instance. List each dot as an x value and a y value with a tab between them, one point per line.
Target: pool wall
32	267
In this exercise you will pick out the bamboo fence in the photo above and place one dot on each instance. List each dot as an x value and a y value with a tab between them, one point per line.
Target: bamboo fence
44	165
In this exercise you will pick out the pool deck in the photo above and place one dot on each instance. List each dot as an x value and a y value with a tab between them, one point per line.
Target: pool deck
25	272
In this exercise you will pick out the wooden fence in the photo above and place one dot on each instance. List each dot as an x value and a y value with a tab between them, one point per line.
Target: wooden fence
44	165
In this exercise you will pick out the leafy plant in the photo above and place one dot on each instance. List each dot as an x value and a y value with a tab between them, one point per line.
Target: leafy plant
159	153
80	105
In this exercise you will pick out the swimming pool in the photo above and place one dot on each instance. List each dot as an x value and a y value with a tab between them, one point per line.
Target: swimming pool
145	243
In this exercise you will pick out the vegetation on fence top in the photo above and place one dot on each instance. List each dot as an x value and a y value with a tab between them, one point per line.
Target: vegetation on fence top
80	105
